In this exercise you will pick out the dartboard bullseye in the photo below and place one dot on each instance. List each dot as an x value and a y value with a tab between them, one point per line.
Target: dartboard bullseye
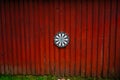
61	39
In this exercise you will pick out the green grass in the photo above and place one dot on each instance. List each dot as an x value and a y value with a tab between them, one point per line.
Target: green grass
48	77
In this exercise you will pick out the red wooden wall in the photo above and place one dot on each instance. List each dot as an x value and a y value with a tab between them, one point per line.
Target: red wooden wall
27	29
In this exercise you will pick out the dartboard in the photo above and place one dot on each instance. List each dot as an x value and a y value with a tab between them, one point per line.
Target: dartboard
61	39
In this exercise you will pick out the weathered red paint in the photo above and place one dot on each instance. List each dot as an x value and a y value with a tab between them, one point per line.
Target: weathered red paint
27	30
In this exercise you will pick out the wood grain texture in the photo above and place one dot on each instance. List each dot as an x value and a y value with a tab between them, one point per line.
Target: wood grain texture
27	30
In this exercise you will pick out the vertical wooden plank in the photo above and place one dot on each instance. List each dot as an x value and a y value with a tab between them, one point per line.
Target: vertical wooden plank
46	23
13	42
67	28
75	42
37	37
34	36
39	11
52	32
57	25
1	41
16	26
117	57
83	55
2	24
95	34
39	19
5	38
3	35
72	38
7	25
67	33
62	29
27	38
41	38
89	37
34	62
100	38
17	22
23	46
106	38
9	33
112	39
19	38
43	18
32	46
78	38
11	38
109	37
81	39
